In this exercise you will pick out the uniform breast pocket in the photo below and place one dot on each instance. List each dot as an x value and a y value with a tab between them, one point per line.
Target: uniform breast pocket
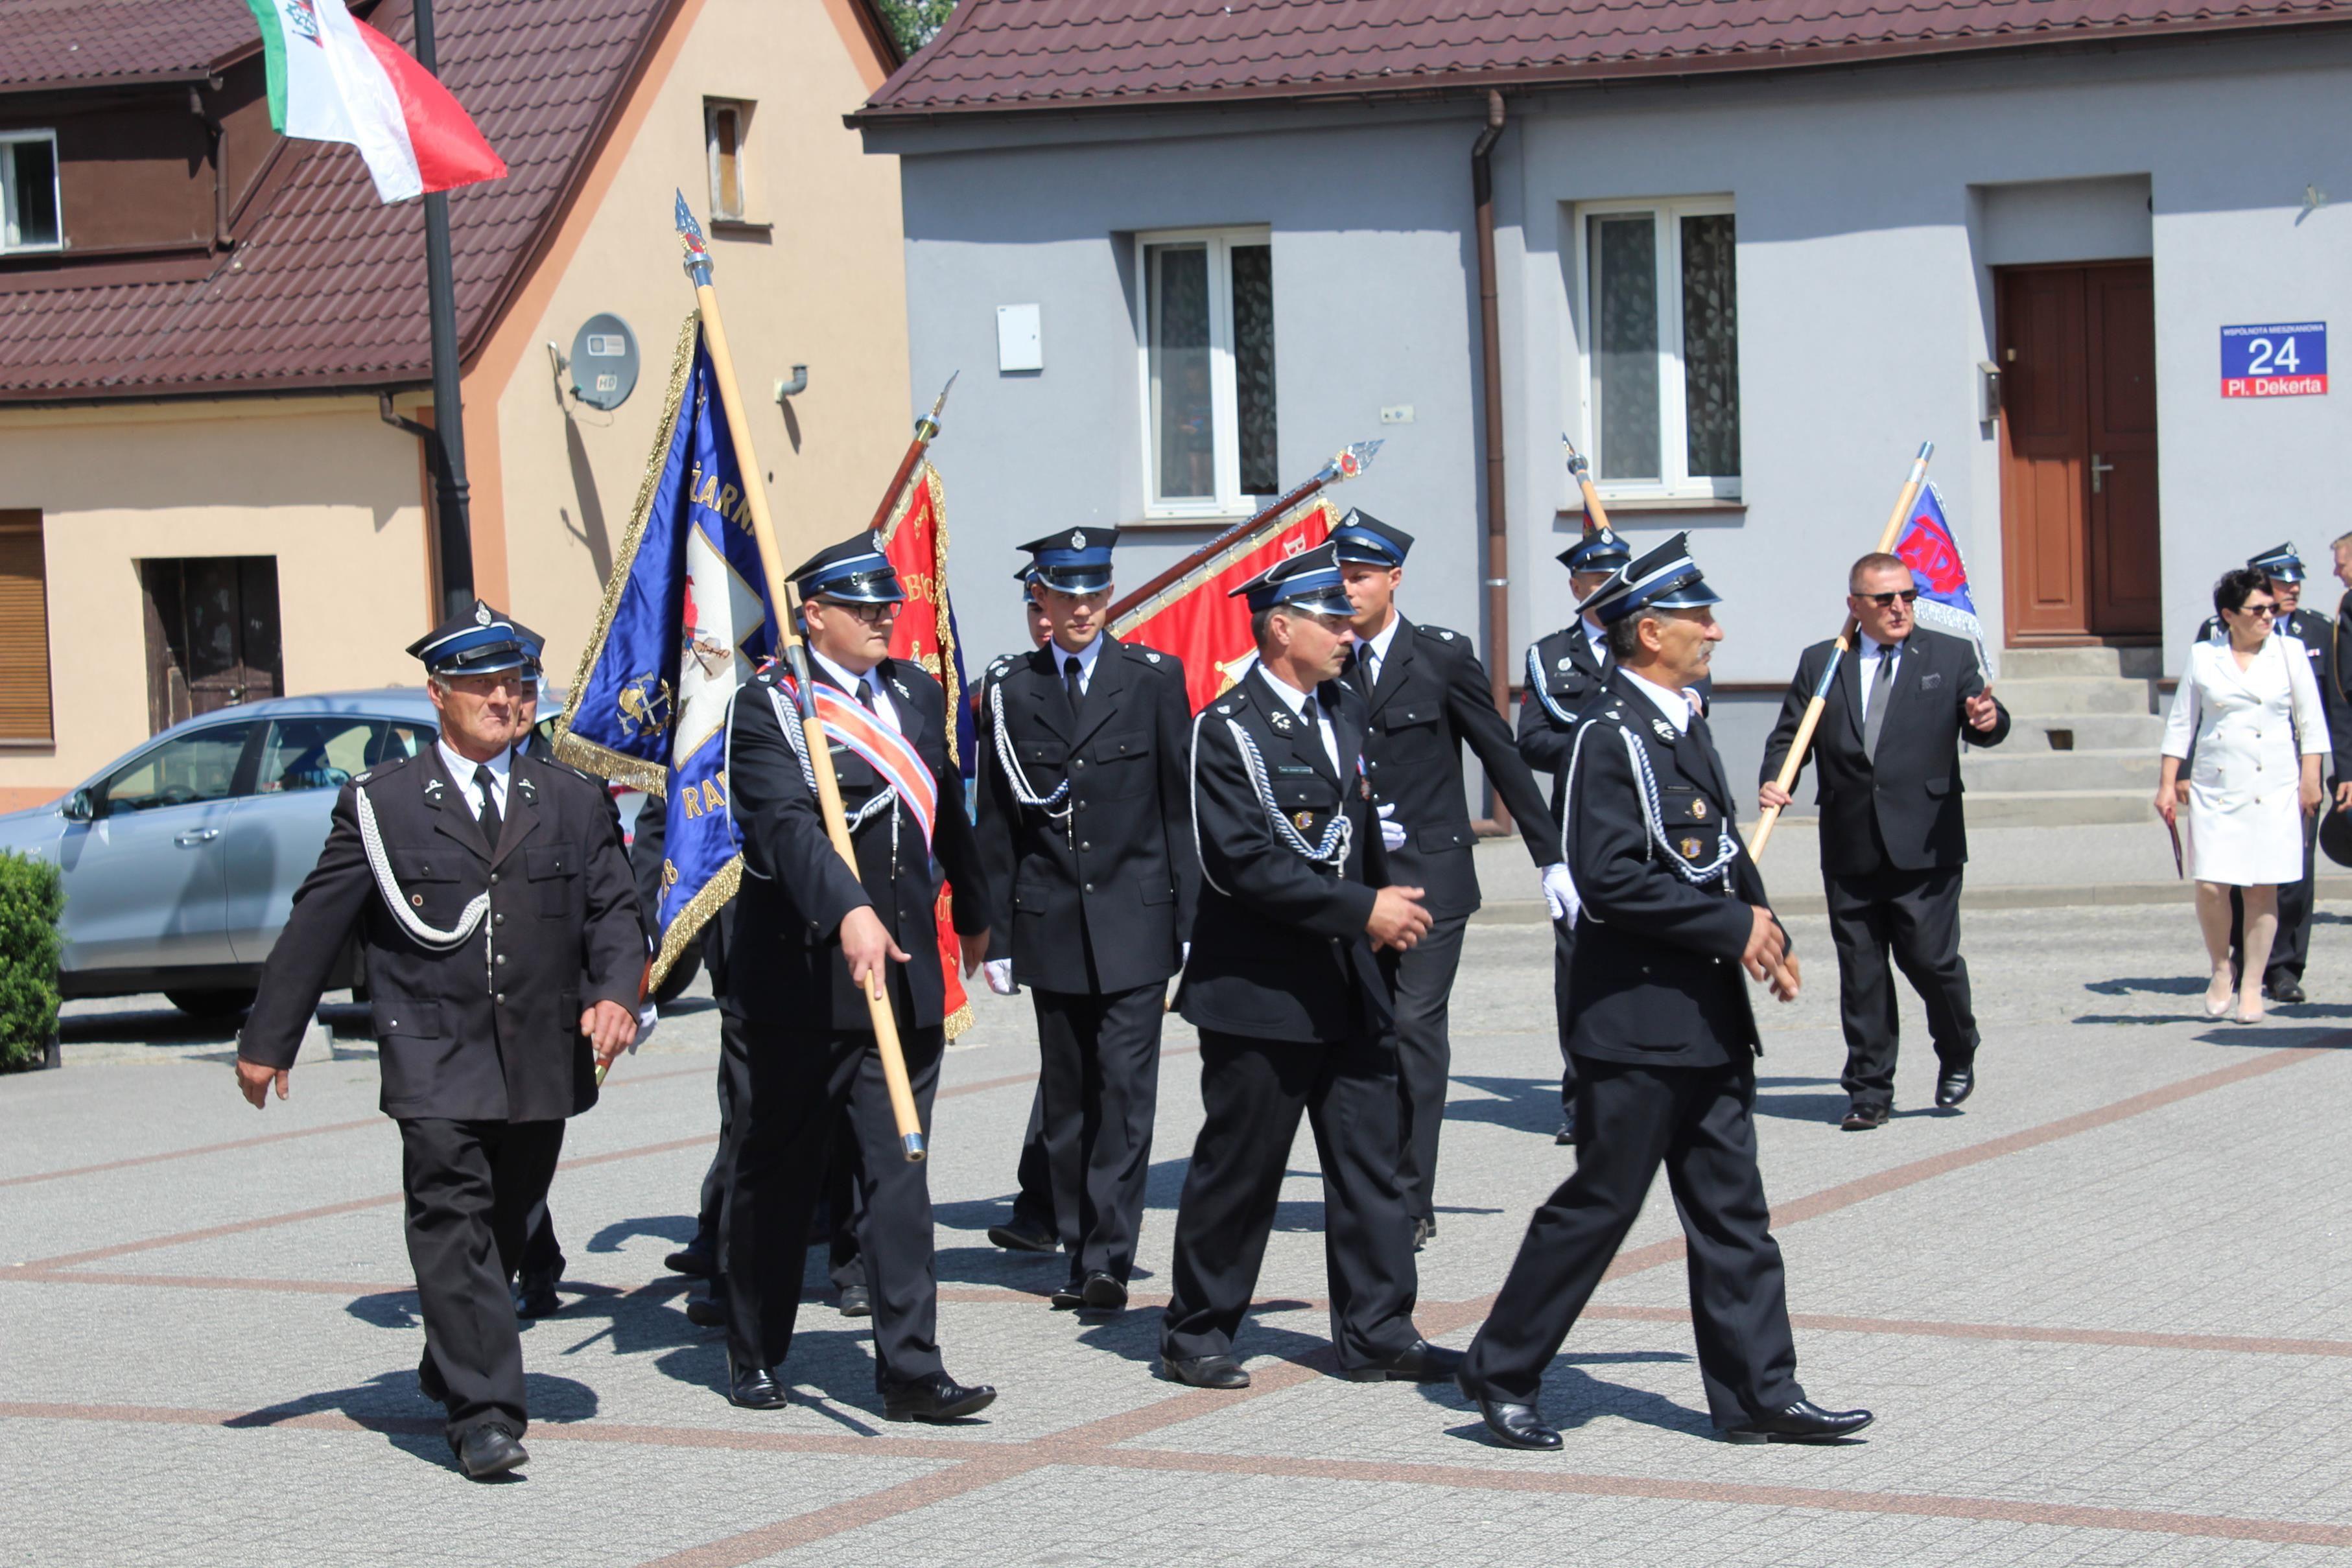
1306	803
554	871
1125	761
428	879
1690	822
1042	753
1410	720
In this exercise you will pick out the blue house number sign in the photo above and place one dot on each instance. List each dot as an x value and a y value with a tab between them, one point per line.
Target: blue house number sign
2286	358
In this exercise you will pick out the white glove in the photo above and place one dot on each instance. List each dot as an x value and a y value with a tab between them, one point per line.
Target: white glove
647	1017
1559	891
999	976
1184	957
1391	832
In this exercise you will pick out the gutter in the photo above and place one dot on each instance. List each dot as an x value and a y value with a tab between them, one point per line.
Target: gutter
1498	580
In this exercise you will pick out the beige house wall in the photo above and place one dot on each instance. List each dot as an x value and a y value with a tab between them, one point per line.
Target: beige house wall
321	484
825	288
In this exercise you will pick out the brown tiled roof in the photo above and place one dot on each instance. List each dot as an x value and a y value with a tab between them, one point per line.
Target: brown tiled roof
997	56
326	287
45	42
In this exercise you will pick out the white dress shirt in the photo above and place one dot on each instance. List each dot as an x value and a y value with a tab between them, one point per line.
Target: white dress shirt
461	772
1872	652
1299	701
1597	636
1675	704
1084	656
883	707
1373	651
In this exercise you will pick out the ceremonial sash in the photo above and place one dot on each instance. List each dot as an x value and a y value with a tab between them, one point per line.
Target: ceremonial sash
844	720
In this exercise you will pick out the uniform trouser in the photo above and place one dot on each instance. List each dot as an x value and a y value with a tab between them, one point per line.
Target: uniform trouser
1423	979
2292	945
1032	1205
1563	949
1697	1122
1916	915
470	1187
542	1254
1252	1092
792	1086
710	1213
1099	1076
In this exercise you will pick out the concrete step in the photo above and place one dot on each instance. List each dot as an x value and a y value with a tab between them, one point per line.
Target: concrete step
2005	772
2052	663
2086	732
2039	698
2059	808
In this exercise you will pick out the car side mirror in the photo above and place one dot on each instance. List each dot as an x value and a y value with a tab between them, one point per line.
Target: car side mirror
80	807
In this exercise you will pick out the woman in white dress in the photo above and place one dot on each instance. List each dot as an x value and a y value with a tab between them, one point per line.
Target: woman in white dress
2249	713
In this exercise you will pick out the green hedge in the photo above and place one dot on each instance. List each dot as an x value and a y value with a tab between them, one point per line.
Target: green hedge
32	898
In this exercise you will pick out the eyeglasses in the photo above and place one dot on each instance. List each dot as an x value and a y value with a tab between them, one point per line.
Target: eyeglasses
1882	600
2264	611
869	613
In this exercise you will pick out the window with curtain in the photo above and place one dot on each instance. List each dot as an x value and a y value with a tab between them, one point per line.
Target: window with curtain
28	192
1662	347
1206	312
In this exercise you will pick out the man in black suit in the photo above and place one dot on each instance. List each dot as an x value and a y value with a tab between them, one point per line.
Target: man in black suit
809	933
1429	697
493	904
1672	910
1565	673
1285	988
1085	821
1894	837
2291	948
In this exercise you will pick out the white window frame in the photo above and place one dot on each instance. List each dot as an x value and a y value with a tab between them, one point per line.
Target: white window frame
1675	482
712	107
8	193
1225	390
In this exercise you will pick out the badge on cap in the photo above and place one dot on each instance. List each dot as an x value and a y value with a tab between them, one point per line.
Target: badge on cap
1078	539
481	614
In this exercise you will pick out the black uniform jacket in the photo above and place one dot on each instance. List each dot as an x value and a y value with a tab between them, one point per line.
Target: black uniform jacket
489	1030
1908	802
784	966
1278	949
1116	876
2321	645
1655	976
1564	669
1432	699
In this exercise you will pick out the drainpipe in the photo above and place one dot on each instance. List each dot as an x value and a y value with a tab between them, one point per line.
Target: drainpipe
1490	344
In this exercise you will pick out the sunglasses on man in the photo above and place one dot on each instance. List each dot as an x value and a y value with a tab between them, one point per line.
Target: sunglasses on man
1907	595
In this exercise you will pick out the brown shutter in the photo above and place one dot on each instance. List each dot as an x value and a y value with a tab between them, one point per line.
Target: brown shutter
23	630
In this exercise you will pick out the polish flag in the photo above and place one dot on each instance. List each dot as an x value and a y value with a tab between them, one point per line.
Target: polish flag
332	77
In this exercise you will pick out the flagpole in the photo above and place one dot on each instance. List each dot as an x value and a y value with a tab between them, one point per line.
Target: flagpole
453	533
795	654
926	430
1795	759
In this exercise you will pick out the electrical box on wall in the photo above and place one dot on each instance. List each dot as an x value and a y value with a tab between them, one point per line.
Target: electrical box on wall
1020	343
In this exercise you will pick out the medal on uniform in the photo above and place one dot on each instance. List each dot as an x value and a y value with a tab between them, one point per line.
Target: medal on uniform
1302	820
1691	848
1698	810
1565	665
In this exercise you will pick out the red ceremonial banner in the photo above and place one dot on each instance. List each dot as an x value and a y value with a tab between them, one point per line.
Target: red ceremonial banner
916	540
1195	621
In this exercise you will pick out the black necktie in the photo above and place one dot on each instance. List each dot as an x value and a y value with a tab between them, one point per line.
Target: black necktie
1881	688
1072	685
866	695
489	818
1364	678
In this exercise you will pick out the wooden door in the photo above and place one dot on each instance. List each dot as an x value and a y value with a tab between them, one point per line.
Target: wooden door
2078	453
213	637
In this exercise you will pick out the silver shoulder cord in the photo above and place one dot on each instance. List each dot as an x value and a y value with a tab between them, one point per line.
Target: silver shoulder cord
1192	797
380	862
1718	869
1022	790
1543	693
790	719
1333	851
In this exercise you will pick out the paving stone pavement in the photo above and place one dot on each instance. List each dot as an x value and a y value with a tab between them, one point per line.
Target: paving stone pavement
2105	1315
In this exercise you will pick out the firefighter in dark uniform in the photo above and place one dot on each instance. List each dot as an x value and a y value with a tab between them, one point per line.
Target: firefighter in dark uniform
1283	985
1566	672
493	905
794	1025
1086	826
1429	697
1672	910
2291	949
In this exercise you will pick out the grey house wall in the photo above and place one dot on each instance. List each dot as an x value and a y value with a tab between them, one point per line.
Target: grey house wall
1872	206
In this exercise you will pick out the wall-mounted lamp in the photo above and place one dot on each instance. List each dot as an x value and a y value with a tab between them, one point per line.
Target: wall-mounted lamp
795	387
1987	391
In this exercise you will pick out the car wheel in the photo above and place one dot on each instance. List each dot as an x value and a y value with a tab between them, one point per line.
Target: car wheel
681	975
211	1004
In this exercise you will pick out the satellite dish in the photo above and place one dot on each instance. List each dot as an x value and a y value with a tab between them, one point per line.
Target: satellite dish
604	361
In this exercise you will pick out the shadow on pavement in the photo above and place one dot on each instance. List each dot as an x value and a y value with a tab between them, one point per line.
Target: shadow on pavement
676	1228
1521	1104
391	1404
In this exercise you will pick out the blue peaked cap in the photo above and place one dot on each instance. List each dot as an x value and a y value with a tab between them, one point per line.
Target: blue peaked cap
2281	562
1073	561
1599	550
476	642
1362	537
1310	580
854	571
1665	579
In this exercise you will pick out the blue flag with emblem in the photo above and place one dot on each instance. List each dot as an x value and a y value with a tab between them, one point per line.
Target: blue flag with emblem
685	622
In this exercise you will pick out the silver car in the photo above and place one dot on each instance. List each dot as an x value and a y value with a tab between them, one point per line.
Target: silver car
181	858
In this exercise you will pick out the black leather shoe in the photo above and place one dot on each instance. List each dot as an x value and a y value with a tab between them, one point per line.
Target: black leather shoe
754	1387
937	1398
1423	1362
1098	1292
1865	1118
1514	1425
693	1258
1021	1235
490	1450
2287	991
535	1296
1956	1086
1567	1133
1205	1370
855	1302
709	1311
1803	1422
